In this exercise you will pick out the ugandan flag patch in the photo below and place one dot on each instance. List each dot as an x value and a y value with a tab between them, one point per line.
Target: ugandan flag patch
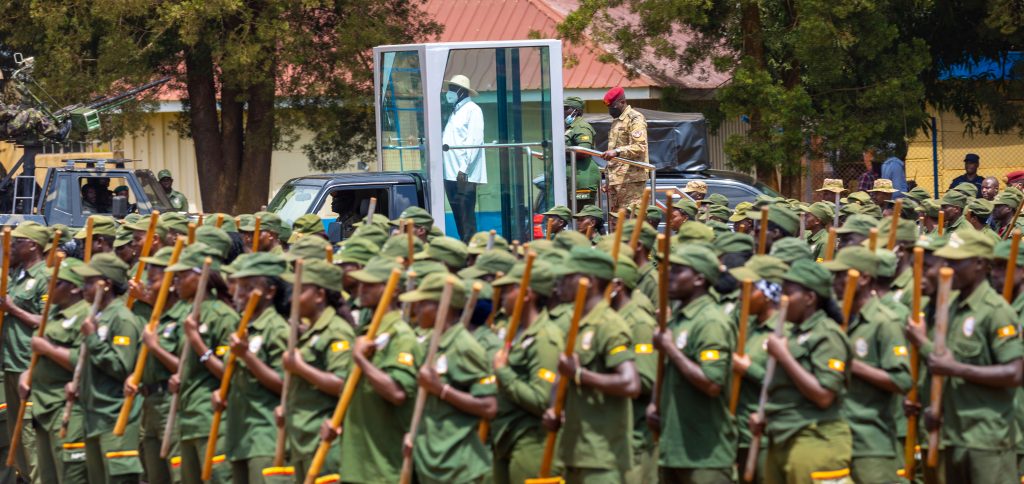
278	471
221	350
405	359
1007	331
546	375
617	350
837	365
121	341
899	350
488	380
339	346
644	349
122	454
328	479
709	355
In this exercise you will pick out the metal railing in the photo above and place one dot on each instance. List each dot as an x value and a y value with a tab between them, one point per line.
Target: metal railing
573	150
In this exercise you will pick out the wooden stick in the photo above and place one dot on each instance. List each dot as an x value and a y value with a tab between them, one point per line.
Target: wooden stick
762	233
293	338
873	239
88	239
410	285
663	266
941	227
83	355
256	235
517	310
191	233
183	355
835	220
421	394
563	384
357	372
741	342
225	382
641	217
849	292
410	242
616	247
1013	221
467	311
220	221
370	210
199	221
495	301
515	249
910	444
897	208
551	226
939	343
52	256
590	233
490	238
830	245
147	247
769	373
154	320
19	422
668	213
1011	267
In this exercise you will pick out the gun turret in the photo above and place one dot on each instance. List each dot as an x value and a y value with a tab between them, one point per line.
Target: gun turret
85	117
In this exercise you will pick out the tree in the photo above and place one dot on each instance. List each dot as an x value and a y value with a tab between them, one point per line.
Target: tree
844	73
252	73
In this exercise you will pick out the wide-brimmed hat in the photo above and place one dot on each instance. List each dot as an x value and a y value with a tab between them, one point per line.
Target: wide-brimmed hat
461	81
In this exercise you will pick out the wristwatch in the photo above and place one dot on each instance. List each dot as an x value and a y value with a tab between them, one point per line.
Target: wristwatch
206	355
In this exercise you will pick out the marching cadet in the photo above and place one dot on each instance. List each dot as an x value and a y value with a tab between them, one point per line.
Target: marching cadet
174	225
627	138
740	218
125	248
698	433
809	440
272	230
201	371
255	386
647	275
817	219
1001	256
598	419
578	132
880	369
590	219
855	230
379	413
782	222
112	340
59	459
26	295
560	215
1003	209
526	374
461	391
164	346
977	215
983	366
319	365
953	204
422	221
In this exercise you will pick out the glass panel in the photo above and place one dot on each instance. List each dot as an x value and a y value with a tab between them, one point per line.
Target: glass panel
401	112
292	201
154	192
98	194
497	140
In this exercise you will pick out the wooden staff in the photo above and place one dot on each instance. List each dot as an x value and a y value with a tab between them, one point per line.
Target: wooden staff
83	355
668	213
490	238
835	220
468	309
220	221
1013	221
147	247
830	245
741	342
410	285
54	244
769	373
410	242
256	235
515	249
849	292
225	382
1011	267
154	320
615	251
183	355
941	227
421	394
873	239
551	226
191	233
88	239
517	309
939	343
329	249
590	233
897	208
563	384
641	217
293	338
910	443
199	221
762	233
357	372
663	266
496	301
370	210
19	422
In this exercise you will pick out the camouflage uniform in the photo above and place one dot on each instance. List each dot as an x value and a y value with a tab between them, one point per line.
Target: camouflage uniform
628	138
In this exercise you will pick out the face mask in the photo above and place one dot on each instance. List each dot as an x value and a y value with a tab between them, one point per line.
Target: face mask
615	112
569	119
451	97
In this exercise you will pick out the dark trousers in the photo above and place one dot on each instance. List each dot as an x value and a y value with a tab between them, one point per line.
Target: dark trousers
462	198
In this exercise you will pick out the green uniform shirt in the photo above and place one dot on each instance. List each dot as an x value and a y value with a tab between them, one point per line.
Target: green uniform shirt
170	335
588	175
638	314
62	329
818	242
698	431
216	323
448	447
489	340
877	339
327	346
27	290
178	201
112	352
820	347
1018	309
750	385
373	426
648	281
560	315
251	429
524	385
983	331
598	428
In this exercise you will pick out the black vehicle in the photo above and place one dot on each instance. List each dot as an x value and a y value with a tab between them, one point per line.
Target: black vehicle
737	187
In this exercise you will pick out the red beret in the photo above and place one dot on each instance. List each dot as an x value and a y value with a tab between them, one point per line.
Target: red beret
613	94
1015	176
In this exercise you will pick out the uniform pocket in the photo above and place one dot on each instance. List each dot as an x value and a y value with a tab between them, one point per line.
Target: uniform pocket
967	349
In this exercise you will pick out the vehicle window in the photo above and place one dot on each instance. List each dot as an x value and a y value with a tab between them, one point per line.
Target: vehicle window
292	201
767	190
98	194
405	197
735	194
154	192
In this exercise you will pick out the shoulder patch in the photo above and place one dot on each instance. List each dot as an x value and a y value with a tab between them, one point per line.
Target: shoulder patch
617	350
899	350
405	359
546	375
340	345
488	380
644	349
121	341
1007	331
709	355
637	133
837	365
221	350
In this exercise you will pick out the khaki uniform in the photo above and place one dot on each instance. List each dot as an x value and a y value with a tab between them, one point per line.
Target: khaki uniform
628	136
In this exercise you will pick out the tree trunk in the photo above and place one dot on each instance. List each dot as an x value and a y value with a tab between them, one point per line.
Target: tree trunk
254	176
216	186
232	121
754	55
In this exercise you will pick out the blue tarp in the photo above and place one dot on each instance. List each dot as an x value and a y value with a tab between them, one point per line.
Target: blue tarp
1010	67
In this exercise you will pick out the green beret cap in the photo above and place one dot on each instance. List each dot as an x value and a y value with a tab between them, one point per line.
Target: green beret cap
542	278
101	225
307	249
906	231
687	206
1008	198
627	271
718	199
432	287
259	264
218	240
373	233
434	233
573	102
860	197
823	211
1002	251
918	194
307	224
654	215
588	261
67	271
697	257
858	224
719	212
980	207
887	263
567	239
955	198
142	225
397	246
478	242
779	215
174	221
67	234
930	207
163	174
590	211
318	272
850	209
123	237
540	246
560	211
872	210
789	249
378	219
490	262
419	217
965	244
854	257
648	234
761	267
104	265
359	251
228	225
424	267
161	258
734	243
810	275
741	212
448	250
270	222
968	189
377	270
693	231
33	231
932	242
193	257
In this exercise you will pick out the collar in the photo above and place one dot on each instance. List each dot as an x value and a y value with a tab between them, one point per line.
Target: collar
625	113
594	316
267	316
321	323
696	306
976	300
812	323
460	104
72	308
449	336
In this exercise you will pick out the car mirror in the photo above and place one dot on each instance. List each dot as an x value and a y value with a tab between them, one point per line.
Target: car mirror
119	207
334	232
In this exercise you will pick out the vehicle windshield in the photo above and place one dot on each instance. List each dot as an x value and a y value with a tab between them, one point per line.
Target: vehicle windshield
293	201
765	189
154	192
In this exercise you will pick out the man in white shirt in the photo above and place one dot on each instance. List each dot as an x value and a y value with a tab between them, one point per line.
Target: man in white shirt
465	168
